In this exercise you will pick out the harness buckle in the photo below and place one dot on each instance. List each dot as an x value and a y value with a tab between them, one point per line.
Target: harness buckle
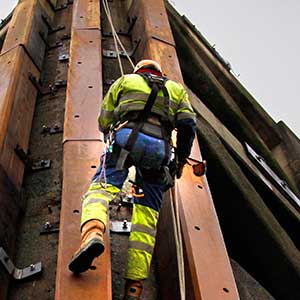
159	80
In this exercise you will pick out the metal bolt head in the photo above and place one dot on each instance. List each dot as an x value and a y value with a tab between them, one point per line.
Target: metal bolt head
45	129
47	225
125	225
32	267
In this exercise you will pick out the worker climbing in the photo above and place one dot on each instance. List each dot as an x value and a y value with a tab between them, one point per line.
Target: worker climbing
137	116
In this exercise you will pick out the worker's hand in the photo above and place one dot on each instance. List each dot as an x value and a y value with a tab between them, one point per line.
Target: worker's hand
179	170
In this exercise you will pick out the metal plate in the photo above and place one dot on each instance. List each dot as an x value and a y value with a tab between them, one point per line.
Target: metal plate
16	273
17	103
86	14
24	29
153	28
120	227
27	272
280	184
84	91
93	284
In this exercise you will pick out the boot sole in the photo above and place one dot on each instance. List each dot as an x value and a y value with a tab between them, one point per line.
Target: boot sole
82	261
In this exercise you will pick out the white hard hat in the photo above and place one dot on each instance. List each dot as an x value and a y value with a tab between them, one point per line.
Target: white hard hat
147	63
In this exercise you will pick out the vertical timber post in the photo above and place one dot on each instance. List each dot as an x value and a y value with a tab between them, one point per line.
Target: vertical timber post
207	264
21	53
81	152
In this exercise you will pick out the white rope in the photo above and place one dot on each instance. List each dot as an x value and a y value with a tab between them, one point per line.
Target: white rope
124	50
108	14
178	242
103	168
116	37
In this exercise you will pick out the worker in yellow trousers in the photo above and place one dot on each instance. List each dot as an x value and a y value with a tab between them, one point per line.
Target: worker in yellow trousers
137	116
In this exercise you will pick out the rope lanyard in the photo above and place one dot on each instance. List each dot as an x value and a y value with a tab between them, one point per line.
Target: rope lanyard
178	242
116	38
174	199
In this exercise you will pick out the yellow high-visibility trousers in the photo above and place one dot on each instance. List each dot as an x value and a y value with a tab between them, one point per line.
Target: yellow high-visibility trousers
145	212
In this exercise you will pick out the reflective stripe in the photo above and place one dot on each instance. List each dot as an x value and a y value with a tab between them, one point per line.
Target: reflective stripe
107	114
186	115
141	246
94	200
125	108
98	192
142	237
111	189
144	229
159	101
185	105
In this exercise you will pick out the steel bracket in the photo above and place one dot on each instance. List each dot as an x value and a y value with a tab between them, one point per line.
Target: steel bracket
113	54
61	7
120	227
57	44
127	201
63	58
50	228
52	130
132	22
272	176
16	273
51	89
65	36
31	166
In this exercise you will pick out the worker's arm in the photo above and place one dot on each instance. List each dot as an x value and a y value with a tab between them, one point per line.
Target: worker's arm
110	101
186	127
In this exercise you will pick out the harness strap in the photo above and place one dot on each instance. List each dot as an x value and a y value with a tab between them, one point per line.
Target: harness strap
156	84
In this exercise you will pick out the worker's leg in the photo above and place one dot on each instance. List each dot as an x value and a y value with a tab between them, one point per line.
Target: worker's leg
94	213
144	223
95	202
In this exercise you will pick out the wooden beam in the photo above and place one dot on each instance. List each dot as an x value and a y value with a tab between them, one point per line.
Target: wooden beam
204	248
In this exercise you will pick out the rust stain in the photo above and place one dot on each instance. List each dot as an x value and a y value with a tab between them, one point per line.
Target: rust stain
25	29
211	273
86	14
81	153
79	159
84	91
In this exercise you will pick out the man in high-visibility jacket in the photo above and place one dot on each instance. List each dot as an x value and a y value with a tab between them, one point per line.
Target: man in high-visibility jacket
144	107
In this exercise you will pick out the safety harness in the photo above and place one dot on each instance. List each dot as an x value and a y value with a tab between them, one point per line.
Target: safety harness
156	83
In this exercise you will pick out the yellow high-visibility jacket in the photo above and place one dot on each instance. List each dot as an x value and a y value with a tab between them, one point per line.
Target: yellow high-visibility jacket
130	93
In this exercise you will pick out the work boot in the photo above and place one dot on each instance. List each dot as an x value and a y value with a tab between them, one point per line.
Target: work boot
91	246
133	289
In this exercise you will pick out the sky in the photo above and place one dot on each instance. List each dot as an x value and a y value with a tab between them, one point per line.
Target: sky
260	39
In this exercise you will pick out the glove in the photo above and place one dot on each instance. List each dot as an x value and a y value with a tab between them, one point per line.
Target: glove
179	168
